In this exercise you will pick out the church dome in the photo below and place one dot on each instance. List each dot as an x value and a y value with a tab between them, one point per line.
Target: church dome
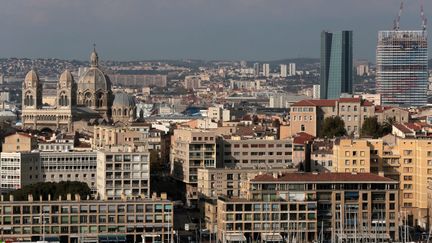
123	100
66	77
31	76
94	79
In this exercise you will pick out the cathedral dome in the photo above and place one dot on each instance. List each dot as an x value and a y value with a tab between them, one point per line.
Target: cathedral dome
31	76
94	79
123	100
66	77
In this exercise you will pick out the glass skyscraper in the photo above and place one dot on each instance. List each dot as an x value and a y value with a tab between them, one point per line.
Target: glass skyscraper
402	67
336	64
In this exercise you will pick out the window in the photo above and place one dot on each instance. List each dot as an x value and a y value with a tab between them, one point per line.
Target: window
347	162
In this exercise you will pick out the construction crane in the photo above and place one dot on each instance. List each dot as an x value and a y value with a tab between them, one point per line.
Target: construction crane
396	22
423	17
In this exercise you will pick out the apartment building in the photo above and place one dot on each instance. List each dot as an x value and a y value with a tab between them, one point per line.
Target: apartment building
191	149
19	142
308	115
252	152
408	161
351	155
69	166
123	171
107	135
229	182
321	154
81	220
306	206
18	169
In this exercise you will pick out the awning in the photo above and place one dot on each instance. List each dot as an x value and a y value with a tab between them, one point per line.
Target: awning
273	237
237	237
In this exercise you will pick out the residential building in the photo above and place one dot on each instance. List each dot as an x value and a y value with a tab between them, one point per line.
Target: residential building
191	149
283	71
18	170
336	64
307	205
256	68
316	91
192	82
292	69
402	67
351	156
86	220
266	70
19	142
246	152
123	171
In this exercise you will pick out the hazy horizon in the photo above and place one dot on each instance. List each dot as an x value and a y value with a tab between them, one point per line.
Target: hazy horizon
193	29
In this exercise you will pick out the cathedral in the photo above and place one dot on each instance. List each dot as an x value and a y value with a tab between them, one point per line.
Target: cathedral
90	98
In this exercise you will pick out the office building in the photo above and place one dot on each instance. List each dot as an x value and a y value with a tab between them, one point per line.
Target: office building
266	70
292	69
336	64
84	220
283	71
402	67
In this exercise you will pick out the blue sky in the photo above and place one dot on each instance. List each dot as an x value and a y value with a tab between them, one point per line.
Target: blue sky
203	29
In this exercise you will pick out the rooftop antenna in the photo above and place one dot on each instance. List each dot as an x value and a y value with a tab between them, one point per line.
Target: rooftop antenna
396	22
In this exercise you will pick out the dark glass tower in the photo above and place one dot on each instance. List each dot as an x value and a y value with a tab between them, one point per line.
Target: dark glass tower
336	64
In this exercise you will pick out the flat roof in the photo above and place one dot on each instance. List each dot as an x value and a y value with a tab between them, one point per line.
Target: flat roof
322	177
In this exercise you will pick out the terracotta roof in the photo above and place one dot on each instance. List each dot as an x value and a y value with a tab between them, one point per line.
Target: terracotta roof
21	134
402	128
349	100
367	103
302	138
315	103
342	177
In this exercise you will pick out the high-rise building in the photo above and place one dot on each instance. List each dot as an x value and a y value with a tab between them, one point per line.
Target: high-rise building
266	70
292	69
336	64
402	67
283	70
256	68
316	91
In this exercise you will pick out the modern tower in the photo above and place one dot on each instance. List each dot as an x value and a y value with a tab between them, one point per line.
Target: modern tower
283	70
402	67
336	64
266	70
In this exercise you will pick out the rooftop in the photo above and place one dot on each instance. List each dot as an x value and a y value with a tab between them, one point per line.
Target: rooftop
322	177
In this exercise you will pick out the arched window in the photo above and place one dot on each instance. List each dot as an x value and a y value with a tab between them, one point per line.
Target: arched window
125	112
302	128
99	100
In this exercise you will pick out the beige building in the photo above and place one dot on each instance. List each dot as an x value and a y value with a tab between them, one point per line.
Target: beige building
191	149
408	161
18	170
301	205
123	171
247	152
131	134
19	142
81	220
308	115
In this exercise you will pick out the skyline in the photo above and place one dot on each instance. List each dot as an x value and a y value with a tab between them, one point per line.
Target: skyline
193	29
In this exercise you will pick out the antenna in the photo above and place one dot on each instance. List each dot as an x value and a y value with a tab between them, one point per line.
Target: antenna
396	22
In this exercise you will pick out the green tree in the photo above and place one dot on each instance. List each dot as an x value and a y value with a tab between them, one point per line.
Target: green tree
52	188
371	127
387	126
333	127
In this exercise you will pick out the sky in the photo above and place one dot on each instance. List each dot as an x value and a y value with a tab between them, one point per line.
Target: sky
198	29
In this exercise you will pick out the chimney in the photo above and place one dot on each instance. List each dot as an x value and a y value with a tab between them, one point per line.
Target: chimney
11	198
29	197
69	197
49	197
77	197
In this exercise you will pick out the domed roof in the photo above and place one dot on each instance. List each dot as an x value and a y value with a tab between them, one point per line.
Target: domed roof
94	78
124	100
31	76
66	77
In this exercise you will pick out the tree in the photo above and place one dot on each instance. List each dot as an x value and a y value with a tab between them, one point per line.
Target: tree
333	127
52	188
371	127
387	126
